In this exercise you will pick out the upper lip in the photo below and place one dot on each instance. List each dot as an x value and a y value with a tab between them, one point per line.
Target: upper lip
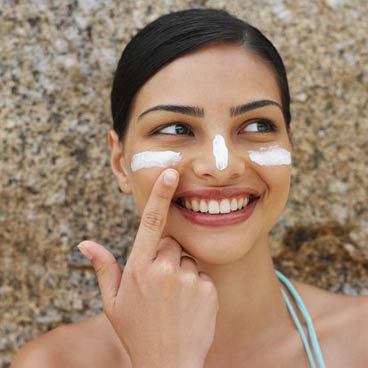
217	193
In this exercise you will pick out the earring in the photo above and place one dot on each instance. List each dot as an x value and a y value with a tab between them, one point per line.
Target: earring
125	188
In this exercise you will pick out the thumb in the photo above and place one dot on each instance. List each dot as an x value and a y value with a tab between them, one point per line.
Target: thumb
107	271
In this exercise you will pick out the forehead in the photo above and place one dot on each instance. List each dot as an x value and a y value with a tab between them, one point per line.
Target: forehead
214	77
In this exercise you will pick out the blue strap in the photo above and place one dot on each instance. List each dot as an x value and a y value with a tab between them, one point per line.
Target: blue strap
308	320
300	330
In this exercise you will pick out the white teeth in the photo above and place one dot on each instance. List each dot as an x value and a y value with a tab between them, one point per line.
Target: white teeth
203	206
225	206
234	204
213	206
195	205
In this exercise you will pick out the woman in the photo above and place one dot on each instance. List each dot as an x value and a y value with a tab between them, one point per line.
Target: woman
202	139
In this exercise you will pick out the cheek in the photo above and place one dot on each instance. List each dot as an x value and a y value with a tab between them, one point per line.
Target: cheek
152	159
142	183
144	169
272	156
277	180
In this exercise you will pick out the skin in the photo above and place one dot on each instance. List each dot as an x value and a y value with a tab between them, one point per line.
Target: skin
236	257
253	326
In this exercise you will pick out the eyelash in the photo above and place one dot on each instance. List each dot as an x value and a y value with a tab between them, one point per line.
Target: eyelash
170	124
271	125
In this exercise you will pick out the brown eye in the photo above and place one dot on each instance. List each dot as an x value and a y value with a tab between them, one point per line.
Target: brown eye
260	126
175	129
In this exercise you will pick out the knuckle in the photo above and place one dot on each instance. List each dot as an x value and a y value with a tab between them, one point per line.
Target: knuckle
133	274
165	268
204	277
211	296
152	220
188	278
214	297
208	287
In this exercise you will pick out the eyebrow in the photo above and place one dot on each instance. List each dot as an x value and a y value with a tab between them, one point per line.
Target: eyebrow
199	111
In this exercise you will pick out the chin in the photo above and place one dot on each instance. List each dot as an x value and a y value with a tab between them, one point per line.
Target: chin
215	248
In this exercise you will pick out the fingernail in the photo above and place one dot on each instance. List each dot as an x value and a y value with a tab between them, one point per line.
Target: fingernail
84	251
170	177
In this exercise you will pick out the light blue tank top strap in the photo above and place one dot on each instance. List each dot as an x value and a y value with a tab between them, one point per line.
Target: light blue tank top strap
308	321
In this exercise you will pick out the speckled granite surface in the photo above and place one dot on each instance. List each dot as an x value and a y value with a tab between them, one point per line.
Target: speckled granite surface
56	187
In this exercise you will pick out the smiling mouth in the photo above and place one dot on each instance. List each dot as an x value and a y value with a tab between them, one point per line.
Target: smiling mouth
216	213
215	207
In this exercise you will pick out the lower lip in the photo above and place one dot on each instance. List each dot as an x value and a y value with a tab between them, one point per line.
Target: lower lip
221	219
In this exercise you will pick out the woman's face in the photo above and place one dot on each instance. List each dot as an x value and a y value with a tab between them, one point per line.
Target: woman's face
215	79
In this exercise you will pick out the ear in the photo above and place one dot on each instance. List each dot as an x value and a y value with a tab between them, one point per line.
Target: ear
118	163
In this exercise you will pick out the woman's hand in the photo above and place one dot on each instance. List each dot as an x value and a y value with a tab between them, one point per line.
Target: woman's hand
163	309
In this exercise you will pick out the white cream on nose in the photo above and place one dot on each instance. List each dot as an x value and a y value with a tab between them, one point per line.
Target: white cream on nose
147	159
271	156
220	151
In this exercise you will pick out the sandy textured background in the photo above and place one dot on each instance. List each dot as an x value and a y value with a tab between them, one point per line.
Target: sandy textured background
56	187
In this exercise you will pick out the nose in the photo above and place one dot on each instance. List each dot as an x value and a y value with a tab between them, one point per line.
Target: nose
218	162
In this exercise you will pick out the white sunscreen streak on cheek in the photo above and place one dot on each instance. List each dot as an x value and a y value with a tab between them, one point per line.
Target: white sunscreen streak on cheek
147	159
273	156
220	151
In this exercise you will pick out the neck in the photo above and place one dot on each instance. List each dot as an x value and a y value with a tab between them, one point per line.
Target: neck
252	311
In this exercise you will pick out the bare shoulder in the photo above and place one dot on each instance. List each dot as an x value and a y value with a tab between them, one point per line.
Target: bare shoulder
34	354
341	324
89	343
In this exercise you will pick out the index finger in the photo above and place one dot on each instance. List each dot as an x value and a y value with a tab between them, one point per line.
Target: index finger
154	217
